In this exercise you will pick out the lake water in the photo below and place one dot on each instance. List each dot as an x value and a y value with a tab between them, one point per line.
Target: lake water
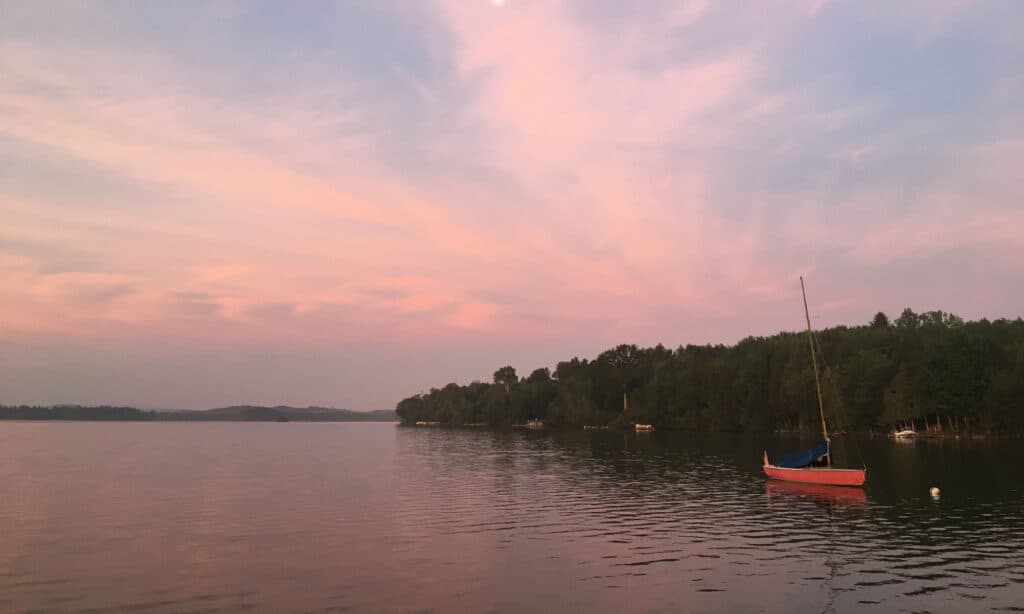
208	517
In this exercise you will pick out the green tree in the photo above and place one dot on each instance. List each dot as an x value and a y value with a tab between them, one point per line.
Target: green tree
908	319
571	405
1004	399
539	376
506	376
899	403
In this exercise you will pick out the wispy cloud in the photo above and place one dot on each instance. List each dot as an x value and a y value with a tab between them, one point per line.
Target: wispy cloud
558	175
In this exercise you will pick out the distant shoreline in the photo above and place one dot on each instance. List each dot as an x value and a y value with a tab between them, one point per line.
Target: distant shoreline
237	413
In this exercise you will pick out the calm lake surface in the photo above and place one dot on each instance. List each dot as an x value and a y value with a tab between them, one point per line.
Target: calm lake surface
372	517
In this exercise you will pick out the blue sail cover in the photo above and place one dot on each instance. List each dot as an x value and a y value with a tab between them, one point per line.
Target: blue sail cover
795	460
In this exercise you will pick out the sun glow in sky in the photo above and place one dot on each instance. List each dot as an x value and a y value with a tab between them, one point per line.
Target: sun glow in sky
345	203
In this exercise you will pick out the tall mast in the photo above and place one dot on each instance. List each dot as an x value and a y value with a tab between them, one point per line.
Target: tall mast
814	361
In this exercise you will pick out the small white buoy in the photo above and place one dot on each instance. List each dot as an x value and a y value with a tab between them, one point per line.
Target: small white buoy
934	491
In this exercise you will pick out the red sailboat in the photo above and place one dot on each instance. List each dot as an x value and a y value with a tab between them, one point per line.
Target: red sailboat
805	466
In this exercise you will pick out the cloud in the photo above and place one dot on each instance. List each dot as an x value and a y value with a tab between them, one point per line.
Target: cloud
567	174
271	311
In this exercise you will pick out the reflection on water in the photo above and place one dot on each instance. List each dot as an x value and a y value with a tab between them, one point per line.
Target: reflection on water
828	496
370	517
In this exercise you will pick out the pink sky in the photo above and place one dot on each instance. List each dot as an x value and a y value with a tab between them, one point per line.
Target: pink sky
345	204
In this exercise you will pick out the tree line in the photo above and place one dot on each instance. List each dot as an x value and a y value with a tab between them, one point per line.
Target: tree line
930	367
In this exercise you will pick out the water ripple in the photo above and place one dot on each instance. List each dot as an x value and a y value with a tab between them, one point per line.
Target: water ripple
320	518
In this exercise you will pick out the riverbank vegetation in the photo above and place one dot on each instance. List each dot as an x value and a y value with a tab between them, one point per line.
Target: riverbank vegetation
931	367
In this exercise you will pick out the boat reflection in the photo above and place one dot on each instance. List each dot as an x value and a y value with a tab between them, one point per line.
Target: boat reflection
776	490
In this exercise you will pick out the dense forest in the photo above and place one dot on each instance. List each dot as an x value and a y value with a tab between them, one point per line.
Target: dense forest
930	367
236	413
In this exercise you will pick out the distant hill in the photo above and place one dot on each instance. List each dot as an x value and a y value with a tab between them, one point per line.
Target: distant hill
237	413
73	412
283	412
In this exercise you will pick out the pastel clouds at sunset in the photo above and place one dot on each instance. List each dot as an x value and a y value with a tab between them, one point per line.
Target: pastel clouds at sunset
345	203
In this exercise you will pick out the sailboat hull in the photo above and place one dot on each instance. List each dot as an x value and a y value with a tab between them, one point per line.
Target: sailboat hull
818	475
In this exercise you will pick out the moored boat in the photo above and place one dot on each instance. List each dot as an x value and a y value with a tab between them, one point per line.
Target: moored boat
806	465
818	475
